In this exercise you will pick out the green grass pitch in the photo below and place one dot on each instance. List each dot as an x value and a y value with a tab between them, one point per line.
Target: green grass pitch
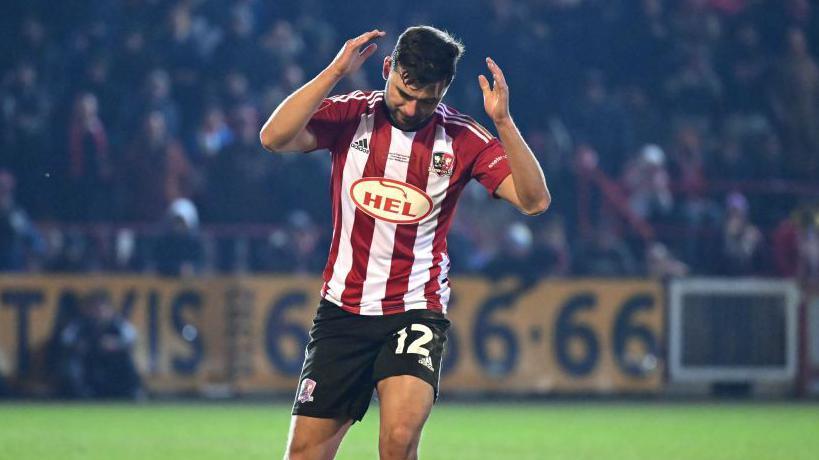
551	430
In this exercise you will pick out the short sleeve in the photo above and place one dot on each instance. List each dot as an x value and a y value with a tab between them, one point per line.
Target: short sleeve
491	166
331	118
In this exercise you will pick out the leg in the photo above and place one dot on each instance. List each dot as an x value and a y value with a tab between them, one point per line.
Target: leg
406	401
335	385
315	438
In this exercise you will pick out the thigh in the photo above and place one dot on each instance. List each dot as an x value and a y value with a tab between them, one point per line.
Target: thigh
405	402
336	380
315	438
404	399
414	347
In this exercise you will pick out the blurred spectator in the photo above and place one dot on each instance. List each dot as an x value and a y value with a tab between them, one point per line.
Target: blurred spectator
644	120
308	244
275	254
700	216
809	250
742	251
156	171
20	242
695	23
185	44
155	97
96	79
293	77
178	250
25	131
74	251
606	255
240	177
786	243
795	103
688	157
597	119
694	92
296	248
236	91
796	244
731	160
130	251
25	104
551	248
282	43
97	349
746	69
647	43
238	49
132	61
661	264
213	134
727	89
90	166
37	44
647	182
768	157
516	256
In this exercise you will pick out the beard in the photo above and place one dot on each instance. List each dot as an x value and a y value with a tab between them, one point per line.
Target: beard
404	123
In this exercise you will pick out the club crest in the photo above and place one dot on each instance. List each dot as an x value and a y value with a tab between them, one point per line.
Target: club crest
306	390
443	163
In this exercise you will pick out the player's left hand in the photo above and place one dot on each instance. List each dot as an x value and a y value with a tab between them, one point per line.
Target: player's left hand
495	97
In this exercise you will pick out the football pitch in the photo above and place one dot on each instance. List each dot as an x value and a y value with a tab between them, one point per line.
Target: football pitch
533	430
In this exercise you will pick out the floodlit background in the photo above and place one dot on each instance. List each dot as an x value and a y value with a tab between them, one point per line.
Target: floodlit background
160	269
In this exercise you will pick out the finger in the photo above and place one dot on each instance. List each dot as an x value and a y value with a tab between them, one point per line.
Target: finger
497	73
368	51
484	84
367	36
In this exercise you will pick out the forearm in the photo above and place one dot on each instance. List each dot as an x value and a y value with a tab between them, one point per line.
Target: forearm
293	114
530	183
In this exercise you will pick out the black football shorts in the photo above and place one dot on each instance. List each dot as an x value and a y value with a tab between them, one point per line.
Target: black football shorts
348	354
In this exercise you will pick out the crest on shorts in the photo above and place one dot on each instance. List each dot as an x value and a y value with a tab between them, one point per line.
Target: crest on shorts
306	390
443	163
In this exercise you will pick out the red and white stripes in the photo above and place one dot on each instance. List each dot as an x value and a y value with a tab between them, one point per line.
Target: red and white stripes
377	266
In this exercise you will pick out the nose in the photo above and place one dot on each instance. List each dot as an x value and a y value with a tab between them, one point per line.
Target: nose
410	109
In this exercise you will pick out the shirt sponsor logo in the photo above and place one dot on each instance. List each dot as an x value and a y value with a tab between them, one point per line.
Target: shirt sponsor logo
390	200
497	160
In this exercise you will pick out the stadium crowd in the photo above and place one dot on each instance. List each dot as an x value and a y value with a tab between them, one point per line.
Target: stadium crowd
129	134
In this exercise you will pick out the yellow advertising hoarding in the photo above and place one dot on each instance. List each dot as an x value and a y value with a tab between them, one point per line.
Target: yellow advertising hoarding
250	333
564	336
181	343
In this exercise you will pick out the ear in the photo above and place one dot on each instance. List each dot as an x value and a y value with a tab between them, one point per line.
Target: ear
385	70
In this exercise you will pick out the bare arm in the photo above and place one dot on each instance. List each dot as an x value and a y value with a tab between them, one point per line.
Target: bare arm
285	130
526	188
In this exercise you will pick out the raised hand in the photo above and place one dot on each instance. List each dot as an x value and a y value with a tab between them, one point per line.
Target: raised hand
495	97
351	55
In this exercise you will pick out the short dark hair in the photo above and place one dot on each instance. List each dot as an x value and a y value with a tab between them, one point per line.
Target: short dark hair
426	55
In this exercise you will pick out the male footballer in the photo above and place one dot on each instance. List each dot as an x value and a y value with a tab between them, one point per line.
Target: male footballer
401	159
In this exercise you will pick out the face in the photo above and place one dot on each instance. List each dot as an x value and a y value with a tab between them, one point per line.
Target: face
410	106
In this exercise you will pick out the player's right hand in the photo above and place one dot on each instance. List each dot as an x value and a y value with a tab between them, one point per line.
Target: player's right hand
351	56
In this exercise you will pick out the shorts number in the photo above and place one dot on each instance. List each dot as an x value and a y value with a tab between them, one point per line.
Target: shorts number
417	345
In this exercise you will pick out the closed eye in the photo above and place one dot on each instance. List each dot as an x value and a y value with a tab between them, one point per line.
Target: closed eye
406	96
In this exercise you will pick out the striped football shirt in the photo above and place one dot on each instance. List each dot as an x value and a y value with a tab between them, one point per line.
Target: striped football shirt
393	199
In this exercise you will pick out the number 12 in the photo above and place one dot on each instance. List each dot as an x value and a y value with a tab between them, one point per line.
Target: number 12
417	345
